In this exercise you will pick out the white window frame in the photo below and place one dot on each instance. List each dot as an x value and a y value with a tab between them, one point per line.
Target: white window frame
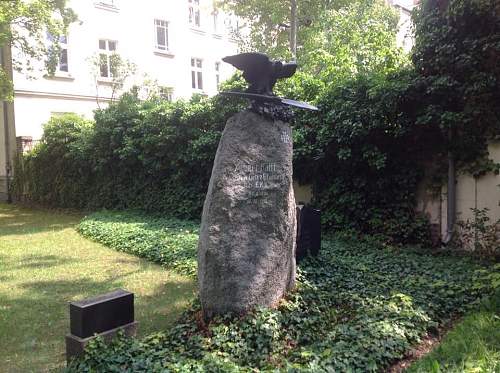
166	93
161	23
108	3
197	74
107	53
63	46
194	13
232	24
64	49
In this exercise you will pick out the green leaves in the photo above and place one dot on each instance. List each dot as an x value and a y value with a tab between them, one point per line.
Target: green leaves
149	155
358	306
24	26
166	241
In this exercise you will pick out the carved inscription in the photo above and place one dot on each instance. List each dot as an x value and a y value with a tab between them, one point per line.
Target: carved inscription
260	178
286	136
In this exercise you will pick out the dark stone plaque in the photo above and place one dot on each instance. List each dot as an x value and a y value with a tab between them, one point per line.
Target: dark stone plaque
102	313
308	231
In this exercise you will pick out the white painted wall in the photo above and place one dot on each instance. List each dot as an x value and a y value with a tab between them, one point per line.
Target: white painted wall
132	26
404	37
480	193
483	192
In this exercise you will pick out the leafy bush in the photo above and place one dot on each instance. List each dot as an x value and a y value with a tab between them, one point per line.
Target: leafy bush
167	241
456	55
149	155
358	307
479	235
53	173
363	154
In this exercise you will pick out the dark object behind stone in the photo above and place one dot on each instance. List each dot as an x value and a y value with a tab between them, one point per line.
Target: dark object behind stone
102	313
308	231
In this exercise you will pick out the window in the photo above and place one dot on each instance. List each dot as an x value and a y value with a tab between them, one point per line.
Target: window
194	12
62	63
106	50
215	15
232	23
109	3
161	34
63	55
196	73
167	93
217	74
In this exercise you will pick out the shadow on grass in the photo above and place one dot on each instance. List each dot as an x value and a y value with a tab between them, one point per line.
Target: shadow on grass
33	262
34	321
16	220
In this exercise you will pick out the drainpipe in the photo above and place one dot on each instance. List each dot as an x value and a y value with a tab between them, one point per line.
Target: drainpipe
8	165
451	201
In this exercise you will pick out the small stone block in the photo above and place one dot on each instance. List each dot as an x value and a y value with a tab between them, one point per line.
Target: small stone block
101	313
75	345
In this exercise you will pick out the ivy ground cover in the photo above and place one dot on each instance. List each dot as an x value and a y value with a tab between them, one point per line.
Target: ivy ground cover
167	241
358	306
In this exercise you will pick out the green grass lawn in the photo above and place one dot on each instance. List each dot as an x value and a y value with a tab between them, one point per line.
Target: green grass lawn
472	346
45	263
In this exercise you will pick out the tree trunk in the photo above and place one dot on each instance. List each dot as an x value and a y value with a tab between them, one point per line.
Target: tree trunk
293	28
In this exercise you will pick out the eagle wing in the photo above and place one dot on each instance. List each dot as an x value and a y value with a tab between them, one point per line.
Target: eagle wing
248	62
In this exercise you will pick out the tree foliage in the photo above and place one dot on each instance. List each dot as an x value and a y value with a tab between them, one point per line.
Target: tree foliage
335	37
456	55
357	38
120	70
268	23
24	25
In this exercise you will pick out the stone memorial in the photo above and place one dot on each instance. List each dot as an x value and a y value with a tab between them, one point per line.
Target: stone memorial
246	249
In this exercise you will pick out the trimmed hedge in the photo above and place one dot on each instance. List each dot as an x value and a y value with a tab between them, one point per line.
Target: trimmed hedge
148	155
358	307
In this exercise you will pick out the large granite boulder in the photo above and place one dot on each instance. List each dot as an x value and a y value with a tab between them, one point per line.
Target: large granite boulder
246	251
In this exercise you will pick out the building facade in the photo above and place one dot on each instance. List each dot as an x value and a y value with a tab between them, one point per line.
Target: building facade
404	38
176	46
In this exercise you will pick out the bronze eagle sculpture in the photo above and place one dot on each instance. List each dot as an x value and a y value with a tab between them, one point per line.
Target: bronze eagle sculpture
260	72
